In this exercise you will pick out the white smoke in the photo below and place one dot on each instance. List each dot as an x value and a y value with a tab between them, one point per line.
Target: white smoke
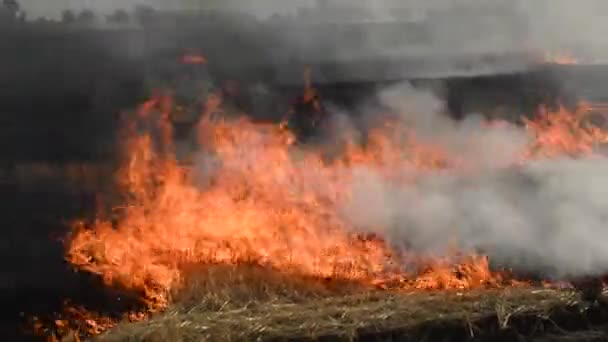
547	216
443	37
469	139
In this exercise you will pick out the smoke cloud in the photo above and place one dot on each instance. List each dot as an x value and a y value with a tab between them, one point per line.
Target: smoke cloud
445	27
449	26
547	216
399	40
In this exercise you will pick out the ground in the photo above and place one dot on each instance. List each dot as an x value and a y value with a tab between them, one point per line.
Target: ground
285	310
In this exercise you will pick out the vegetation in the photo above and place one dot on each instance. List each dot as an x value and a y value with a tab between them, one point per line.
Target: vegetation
247	304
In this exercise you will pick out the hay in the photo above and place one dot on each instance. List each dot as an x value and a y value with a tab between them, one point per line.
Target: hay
241	306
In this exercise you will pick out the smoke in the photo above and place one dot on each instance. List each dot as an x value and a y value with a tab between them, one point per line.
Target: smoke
469	139
568	26
443	26
548	216
391	40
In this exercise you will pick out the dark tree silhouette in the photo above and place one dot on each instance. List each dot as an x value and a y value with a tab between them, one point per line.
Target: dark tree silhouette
86	17
119	16
145	14
8	11
12	5
68	17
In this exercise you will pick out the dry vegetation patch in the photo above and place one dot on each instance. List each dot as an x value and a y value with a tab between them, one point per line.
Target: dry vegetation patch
252	304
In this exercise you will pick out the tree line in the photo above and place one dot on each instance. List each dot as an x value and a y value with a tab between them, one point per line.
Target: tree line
140	15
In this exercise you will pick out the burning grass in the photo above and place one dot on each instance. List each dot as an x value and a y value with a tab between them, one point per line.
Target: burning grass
253	242
260	210
248	303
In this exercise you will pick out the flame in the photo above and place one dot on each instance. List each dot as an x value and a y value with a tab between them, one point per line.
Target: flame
264	201
563	133
193	58
253	209
561	58
76	320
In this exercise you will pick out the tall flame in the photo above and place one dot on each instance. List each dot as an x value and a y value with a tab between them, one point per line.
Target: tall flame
260	199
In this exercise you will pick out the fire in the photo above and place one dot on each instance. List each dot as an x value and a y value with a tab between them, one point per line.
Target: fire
259	206
560	58
260	199
563	132
193	58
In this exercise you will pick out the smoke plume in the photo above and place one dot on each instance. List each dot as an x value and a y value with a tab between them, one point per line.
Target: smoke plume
547	216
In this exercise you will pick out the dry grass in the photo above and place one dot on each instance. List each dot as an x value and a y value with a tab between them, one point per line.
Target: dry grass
226	304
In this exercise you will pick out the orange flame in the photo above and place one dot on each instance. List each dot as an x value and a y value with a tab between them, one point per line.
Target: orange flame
560	58
194	59
266	203
563	133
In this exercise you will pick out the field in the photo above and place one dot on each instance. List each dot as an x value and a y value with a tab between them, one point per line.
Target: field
62	93
249	304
